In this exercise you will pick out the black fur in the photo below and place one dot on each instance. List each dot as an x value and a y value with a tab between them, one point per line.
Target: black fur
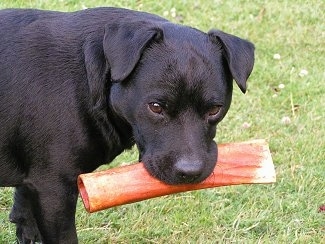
76	89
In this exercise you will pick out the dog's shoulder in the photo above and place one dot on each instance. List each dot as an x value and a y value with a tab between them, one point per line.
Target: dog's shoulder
23	17
93	16
117	14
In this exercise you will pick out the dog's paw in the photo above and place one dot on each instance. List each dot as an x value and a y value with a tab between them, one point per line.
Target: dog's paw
27	234
26	229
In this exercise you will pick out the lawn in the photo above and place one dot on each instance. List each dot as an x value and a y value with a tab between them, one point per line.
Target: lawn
285	104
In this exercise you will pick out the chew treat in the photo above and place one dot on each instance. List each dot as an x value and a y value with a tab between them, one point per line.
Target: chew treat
247	162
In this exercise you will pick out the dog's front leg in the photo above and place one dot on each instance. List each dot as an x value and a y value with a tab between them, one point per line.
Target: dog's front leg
21	214
53	200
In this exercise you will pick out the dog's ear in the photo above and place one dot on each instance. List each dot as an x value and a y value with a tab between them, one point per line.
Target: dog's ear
239	54
124	44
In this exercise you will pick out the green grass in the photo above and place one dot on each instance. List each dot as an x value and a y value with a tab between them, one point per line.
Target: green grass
285	212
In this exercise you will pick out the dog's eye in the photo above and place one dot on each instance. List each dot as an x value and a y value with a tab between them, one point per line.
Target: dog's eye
156	108
213	111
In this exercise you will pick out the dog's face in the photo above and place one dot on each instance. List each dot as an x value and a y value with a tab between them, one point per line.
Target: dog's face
179	89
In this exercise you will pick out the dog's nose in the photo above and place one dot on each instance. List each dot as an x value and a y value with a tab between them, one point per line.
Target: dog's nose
188	171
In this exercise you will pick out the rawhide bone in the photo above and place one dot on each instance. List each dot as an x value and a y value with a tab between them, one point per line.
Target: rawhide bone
247	162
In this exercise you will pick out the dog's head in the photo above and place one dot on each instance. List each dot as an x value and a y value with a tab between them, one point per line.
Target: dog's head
173	85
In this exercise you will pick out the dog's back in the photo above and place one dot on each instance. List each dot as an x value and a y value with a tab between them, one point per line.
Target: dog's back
30	86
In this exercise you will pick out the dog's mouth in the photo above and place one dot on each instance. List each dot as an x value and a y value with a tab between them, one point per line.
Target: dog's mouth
180	172
176	167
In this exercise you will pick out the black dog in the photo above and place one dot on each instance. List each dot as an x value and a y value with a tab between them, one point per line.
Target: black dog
76	89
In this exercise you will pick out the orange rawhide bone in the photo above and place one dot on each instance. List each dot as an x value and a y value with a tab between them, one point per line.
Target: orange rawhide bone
238	163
